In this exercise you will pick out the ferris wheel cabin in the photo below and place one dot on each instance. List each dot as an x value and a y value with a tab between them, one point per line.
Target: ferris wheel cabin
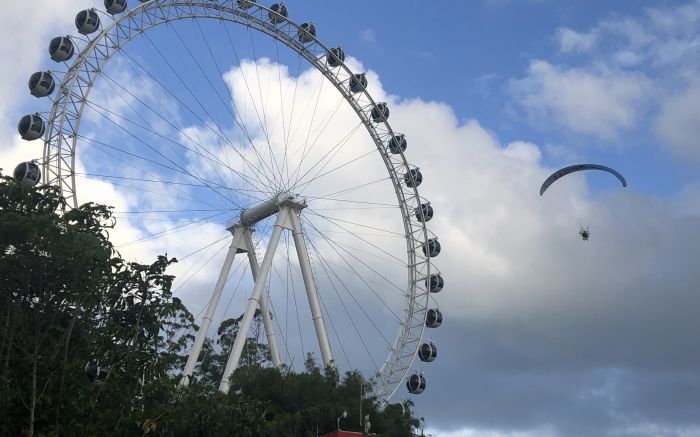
335	57
31	127
27	174
61	48
41	84
397	144
87	21
415	383
433	318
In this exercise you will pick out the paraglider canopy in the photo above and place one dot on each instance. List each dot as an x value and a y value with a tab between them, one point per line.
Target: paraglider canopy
579	167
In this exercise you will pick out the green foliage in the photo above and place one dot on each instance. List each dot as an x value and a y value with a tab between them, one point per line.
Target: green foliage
68	298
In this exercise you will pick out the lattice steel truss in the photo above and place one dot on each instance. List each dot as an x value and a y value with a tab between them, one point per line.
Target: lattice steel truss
65	117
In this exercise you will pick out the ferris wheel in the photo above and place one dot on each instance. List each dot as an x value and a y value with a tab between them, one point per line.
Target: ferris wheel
228	115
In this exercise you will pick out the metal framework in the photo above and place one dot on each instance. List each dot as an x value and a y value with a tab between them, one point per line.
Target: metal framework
64	125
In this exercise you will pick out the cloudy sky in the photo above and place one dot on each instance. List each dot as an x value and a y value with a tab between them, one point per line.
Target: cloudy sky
544	334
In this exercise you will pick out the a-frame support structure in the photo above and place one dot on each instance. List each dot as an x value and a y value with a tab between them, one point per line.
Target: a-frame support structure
288	208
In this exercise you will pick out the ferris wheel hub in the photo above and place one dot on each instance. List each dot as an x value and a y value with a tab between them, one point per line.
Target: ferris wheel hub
267	208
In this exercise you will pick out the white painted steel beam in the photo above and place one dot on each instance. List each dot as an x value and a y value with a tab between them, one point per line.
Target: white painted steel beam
311	290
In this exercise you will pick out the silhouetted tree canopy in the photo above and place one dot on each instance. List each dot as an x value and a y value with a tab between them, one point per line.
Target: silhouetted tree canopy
67	299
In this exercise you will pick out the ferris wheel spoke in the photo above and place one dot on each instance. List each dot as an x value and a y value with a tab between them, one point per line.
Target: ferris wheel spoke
102	112
352	253
332	196
364	240
200	263
172	211
287	280
144	190
176	229
296	305
339	339
220	74
335	245
335	281
263	122
187	184
261	160
311	122
206	76
352	201
285	164
386	232
259	179
209	184
345	164
307	150
330	154
217	132
130	165
276	318
171	161
113	82
170	120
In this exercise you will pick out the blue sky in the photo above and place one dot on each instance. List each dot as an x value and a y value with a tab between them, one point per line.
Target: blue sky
466	53
544	335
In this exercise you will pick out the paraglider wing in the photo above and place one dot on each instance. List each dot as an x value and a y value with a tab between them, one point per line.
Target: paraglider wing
578	167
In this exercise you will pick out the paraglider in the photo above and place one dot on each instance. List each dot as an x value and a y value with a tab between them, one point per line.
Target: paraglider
584	232
579	167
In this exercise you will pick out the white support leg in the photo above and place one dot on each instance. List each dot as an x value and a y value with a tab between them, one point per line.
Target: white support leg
311	291
211	309
253	303
264	305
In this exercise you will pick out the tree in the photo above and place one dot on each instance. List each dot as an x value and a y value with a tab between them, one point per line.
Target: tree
67	299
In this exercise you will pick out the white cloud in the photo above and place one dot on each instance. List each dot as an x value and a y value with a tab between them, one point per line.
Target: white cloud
678	123
597	101
572	41
472	432
628	69
369	36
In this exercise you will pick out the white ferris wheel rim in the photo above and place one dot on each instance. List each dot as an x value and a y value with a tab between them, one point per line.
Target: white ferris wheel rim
76	84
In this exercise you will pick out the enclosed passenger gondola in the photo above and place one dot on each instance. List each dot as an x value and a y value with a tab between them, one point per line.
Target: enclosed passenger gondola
413	178
397	144
433	318
427	352
87	21
432	248
424	212
115	6
41	84
358	83
335	57
61	48
380	112
307	32
415	384
31	127
278	13
27	174
434	283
